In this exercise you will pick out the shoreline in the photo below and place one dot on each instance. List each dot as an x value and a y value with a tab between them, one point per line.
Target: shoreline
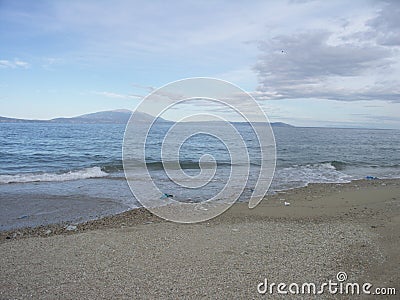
75	202
140	215
327	228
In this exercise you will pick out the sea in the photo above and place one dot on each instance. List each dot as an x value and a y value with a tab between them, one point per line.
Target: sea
71	173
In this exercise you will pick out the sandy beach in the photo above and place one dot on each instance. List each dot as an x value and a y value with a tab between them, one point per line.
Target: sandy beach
326	229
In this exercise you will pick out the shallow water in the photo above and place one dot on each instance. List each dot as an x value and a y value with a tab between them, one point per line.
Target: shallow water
73	172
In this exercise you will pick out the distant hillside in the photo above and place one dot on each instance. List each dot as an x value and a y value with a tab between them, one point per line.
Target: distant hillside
102	117
273	124
281	124
105	117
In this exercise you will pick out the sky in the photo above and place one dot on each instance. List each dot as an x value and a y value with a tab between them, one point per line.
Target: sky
307	63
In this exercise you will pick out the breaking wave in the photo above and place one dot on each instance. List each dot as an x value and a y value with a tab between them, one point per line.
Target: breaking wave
93	172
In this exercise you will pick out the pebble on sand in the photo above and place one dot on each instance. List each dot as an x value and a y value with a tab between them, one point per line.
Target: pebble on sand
70	228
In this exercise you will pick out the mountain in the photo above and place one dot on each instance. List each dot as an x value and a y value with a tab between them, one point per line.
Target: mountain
281	124
120	116
103	117
273	124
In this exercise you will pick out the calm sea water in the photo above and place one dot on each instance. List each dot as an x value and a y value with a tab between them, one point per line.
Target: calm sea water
73	172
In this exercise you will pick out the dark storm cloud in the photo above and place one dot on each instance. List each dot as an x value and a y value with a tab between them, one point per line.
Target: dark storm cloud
310	65
307	57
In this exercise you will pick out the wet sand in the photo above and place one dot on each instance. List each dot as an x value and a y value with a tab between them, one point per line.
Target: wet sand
326	229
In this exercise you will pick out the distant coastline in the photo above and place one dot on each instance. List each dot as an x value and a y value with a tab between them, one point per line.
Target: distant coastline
120	116
102	117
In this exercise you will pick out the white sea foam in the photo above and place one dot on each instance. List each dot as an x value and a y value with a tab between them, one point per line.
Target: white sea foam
297	176
72	175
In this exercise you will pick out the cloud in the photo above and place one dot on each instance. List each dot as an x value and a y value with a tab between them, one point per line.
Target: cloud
147	88
326	64
385	27
118	96
16	63
6	63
